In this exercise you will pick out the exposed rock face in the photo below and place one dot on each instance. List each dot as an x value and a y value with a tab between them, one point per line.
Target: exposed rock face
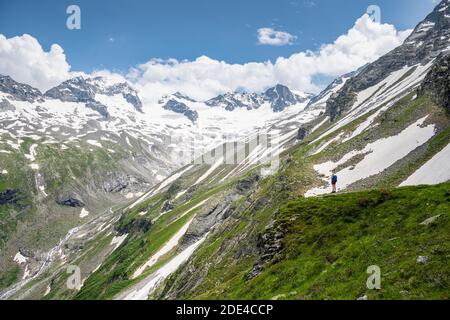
5	105
73	90
231	101
100	108
179	95
269	246
19	91
70	202
333	86
9	196
84	90
428	40
134	100
26	253
340	102
167	206
115	186
119	182
206	220
180	107
437	83
245	185
302	134
129	94
135	225
279	98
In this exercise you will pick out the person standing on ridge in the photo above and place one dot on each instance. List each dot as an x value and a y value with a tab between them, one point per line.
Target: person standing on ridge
334	180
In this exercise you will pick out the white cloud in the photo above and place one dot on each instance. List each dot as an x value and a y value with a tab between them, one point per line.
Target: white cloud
202	78
205	77
25	61
271	37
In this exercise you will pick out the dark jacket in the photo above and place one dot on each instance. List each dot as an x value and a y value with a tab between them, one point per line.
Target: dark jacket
334	179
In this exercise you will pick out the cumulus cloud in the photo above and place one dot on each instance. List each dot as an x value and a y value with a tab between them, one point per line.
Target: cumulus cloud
271	37
202	78
205	77
25	61
365	42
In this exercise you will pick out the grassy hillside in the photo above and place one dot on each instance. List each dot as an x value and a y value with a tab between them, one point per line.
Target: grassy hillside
34	221
272	242
266	250
327	244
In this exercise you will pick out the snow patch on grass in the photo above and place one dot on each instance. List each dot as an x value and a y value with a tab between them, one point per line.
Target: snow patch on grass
435	171
118	240
172	243
380	155
19	258
84	213
151	282
94	143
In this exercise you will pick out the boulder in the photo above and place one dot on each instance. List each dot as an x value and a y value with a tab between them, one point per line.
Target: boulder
70	202
9	196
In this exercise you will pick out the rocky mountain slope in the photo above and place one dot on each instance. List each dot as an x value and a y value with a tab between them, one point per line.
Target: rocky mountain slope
85	147
428	40
279	98
251	217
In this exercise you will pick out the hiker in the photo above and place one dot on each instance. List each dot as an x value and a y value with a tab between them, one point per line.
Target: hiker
334	180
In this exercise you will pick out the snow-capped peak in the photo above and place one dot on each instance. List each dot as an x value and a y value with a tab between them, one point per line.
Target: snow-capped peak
85	90
279	97
18	91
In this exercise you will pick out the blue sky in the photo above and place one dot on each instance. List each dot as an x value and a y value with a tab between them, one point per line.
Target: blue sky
118	35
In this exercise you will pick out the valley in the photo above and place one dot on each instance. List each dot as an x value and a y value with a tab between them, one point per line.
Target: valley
229	198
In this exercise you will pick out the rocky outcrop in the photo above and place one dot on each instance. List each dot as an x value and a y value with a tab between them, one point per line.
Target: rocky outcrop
128	93
100	108
179	95
84	90
26	252
332	87
73	90
205	220
279	97
302	134
269	246
118	182
70	202
245	185
9	196
135	225
235	100
167	206
340	102
180	107
437	83
134	100
5	105
19	91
